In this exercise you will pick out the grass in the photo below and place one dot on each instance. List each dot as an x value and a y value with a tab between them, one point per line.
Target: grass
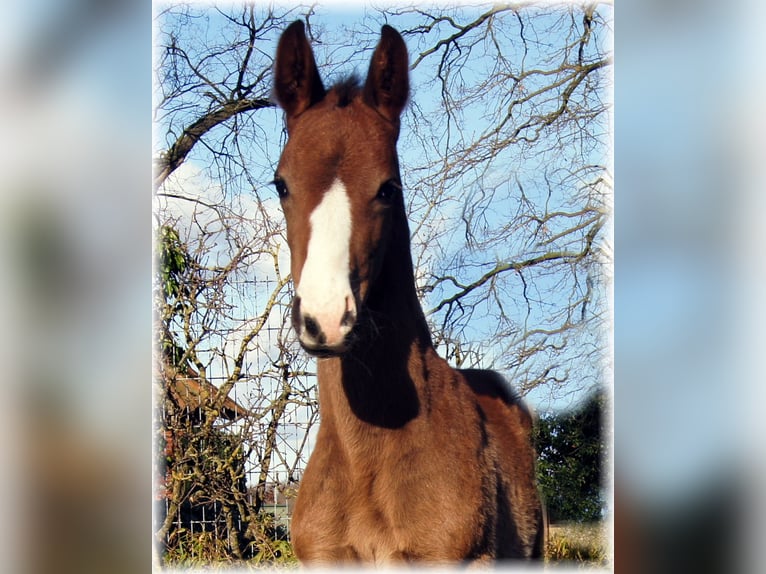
583	544
205	550
569	544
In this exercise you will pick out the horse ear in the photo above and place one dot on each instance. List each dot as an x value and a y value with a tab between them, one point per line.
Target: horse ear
388	85
297	85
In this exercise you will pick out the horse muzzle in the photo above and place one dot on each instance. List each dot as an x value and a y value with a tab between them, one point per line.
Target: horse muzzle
324	331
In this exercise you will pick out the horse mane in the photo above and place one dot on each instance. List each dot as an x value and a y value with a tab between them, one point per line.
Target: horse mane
346	89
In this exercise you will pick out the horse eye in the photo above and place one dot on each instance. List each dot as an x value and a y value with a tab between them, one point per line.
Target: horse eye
388	191
281	187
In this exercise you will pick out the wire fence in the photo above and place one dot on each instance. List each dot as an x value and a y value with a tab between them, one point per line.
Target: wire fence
228	468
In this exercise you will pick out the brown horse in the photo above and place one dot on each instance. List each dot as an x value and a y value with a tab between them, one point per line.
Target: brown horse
414	460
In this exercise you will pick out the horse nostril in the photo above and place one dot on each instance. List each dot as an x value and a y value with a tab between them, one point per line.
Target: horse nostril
348	319
349	315
312	328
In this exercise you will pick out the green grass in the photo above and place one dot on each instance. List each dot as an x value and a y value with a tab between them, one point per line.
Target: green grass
584	544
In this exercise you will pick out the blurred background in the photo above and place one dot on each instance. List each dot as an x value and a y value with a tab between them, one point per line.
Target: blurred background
75	207
75	210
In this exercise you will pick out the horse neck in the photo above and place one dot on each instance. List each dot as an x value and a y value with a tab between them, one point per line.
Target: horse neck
379	384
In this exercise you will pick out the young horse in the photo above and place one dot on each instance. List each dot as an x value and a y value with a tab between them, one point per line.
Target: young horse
414	460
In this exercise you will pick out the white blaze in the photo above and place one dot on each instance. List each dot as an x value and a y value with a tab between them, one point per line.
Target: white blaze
324	287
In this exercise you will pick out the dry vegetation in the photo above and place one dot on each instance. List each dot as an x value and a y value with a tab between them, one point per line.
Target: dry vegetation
585	544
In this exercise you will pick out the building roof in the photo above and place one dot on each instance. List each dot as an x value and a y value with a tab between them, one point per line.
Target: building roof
190	391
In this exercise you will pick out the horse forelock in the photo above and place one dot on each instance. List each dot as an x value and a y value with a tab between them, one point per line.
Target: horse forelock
346	89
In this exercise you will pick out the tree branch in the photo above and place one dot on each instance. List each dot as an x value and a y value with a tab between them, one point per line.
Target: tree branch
169	161
503	267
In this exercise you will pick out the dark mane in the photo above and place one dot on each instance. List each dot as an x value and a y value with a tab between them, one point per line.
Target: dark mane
347	89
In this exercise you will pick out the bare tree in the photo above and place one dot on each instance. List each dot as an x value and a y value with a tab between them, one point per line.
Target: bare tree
205	349
505	151
221	297
513	193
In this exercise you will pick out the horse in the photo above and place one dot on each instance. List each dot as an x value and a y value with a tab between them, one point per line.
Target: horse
414	461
